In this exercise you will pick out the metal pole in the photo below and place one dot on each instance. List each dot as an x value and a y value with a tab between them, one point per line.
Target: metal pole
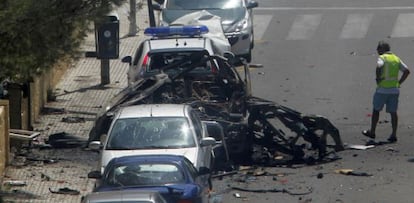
105	72
151	13
133	29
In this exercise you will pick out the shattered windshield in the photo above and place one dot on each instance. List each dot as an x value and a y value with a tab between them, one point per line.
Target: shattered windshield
150	133
175	62
203	4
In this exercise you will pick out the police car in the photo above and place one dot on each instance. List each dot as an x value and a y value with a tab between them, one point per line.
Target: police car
171	49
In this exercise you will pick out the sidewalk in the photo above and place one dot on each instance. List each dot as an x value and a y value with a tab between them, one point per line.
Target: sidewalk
78	95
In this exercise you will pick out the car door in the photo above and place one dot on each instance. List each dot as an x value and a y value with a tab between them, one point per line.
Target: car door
201	179
204	152
135	66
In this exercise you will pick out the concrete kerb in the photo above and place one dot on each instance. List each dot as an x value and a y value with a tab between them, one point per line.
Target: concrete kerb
78	95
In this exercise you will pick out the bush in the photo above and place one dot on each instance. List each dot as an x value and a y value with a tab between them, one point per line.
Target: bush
35	34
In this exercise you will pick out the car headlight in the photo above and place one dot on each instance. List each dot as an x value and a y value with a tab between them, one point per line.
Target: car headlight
242	25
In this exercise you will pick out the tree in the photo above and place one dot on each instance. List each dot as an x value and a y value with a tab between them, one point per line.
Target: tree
35	34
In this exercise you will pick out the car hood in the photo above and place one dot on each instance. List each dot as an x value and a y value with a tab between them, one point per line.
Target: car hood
190	153
229	17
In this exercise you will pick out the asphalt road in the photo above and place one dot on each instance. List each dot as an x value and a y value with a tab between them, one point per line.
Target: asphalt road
319	57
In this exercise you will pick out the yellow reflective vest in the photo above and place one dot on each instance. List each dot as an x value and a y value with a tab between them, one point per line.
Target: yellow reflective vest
390	69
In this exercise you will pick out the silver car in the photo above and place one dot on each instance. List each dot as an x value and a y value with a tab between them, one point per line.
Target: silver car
158	129
236	18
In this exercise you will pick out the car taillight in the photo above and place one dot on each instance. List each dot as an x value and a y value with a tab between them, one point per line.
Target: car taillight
145	62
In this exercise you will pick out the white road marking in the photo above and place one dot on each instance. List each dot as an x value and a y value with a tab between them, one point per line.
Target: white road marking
404	26
304	26
334	8
260	24
356	26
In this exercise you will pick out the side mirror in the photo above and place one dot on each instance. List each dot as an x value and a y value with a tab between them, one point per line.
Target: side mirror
156	7
103	139
95	175
127	59
95	145
252	4
208	141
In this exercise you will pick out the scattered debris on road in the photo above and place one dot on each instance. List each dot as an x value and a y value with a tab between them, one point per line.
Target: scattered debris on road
351	172
309	190
65	191
65	140
73	119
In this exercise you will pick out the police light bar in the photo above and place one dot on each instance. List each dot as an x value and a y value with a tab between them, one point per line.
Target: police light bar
186	30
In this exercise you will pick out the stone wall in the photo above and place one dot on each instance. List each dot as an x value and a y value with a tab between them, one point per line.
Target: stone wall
26	106
42	88
4	135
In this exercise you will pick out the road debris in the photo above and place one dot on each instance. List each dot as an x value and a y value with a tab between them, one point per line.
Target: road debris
391	149
352	172
73	119
18	194
319	176
65	191
273	190
15	183
45	177
65	140
359	147
50	110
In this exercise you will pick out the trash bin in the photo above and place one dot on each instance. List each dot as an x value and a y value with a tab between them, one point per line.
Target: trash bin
107	38
18	96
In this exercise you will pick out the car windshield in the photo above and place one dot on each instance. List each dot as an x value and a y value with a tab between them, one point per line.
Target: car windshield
150	133
203	4
140	174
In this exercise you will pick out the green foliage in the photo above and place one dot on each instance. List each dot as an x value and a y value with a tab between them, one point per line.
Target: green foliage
34	34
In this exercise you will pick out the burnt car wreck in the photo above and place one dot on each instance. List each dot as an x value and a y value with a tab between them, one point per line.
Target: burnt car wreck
254	128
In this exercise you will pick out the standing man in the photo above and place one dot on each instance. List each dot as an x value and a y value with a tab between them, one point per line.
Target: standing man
387	92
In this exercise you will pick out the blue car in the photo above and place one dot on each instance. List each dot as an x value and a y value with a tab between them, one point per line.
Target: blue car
173	176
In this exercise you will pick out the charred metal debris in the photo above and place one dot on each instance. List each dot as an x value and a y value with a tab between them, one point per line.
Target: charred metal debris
261	129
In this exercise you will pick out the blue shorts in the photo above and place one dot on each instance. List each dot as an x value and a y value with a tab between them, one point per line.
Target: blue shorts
390	100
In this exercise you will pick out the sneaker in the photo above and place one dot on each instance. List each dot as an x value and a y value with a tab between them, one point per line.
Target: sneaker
392	139
368	134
